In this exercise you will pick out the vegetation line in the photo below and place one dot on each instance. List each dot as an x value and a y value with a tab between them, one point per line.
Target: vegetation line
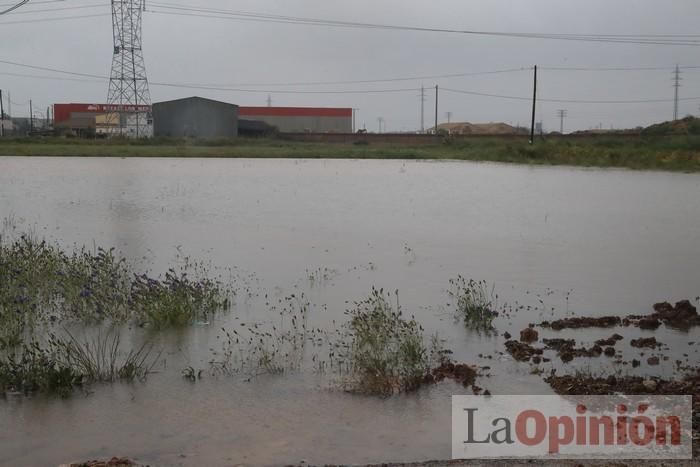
645	152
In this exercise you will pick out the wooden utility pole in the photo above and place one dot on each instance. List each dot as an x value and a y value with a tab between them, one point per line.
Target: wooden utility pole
437	95
534	107
31	118
2	116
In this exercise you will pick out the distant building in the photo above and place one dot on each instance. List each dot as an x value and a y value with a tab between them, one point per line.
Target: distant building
302	119
8	128
466	128
87	119
195	117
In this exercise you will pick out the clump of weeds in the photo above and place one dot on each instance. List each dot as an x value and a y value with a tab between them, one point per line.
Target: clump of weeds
61	364
383	350
176	300
474	303
41	285
276	347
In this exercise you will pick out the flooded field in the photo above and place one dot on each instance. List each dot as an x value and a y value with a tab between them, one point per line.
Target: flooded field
549	243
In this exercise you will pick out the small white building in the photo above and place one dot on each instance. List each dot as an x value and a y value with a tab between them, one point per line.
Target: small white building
7	126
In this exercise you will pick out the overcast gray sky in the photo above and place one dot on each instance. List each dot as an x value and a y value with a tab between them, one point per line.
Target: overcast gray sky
223	52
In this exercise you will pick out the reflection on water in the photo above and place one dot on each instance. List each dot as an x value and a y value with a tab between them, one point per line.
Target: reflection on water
556	240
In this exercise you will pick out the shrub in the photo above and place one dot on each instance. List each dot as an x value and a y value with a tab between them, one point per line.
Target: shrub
385	352
474	303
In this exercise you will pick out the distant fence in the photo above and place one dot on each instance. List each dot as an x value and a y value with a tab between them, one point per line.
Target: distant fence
414	139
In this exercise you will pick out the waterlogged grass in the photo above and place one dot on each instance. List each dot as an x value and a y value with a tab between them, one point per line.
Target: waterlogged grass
61	364
675	153
277	347
378	351
474	303
177	300
42	285
384	351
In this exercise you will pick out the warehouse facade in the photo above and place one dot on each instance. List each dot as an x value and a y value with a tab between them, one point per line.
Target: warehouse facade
100	118
195	117
302	119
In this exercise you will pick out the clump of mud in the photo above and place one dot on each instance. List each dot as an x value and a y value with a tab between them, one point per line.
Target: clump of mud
113	462
583	322
645	342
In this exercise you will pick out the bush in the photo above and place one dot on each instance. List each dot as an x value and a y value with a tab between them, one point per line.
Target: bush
386	352
474	303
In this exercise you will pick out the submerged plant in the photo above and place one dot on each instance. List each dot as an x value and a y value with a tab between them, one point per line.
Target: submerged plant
385	351
474	303
177	300
42	285
269	348
63	363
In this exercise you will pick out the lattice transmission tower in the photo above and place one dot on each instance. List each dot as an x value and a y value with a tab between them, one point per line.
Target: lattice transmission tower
128	100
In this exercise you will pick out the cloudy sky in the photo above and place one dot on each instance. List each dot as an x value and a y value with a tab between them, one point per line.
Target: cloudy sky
220	50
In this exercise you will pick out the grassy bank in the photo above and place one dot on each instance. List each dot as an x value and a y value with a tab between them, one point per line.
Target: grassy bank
673	153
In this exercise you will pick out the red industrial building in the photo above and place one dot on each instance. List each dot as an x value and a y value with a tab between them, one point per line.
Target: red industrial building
302	119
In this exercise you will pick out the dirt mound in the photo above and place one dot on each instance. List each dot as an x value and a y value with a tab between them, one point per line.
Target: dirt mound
522	352
686	126
466	128
682	316
113	462
583	322
646	342
612	340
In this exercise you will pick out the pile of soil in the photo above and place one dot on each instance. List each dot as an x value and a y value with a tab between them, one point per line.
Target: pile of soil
646	342
460	373
610	341
567	351
113	462
521	351
583	322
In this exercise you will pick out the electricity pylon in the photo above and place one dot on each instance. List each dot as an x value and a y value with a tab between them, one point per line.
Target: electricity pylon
128	100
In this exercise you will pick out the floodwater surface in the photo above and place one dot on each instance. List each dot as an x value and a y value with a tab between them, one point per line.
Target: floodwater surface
553	242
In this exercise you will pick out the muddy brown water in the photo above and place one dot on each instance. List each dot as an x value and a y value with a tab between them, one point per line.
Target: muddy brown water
555	241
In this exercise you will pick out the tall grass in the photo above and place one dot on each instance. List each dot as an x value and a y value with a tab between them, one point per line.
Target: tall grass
474	303
276	347
678	152
61	364
385	351
42	284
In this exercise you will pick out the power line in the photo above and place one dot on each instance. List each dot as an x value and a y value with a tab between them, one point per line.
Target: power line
305	83
46	20
645	39
49	10
13	7
568	101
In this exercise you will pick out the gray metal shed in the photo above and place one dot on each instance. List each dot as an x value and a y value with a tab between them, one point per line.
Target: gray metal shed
195	117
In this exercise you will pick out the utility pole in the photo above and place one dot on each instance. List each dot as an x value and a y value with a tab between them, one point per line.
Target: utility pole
2	116
31	118
422	109
676	86
380	122
561	113
269	100
437	95
534	107
449	117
